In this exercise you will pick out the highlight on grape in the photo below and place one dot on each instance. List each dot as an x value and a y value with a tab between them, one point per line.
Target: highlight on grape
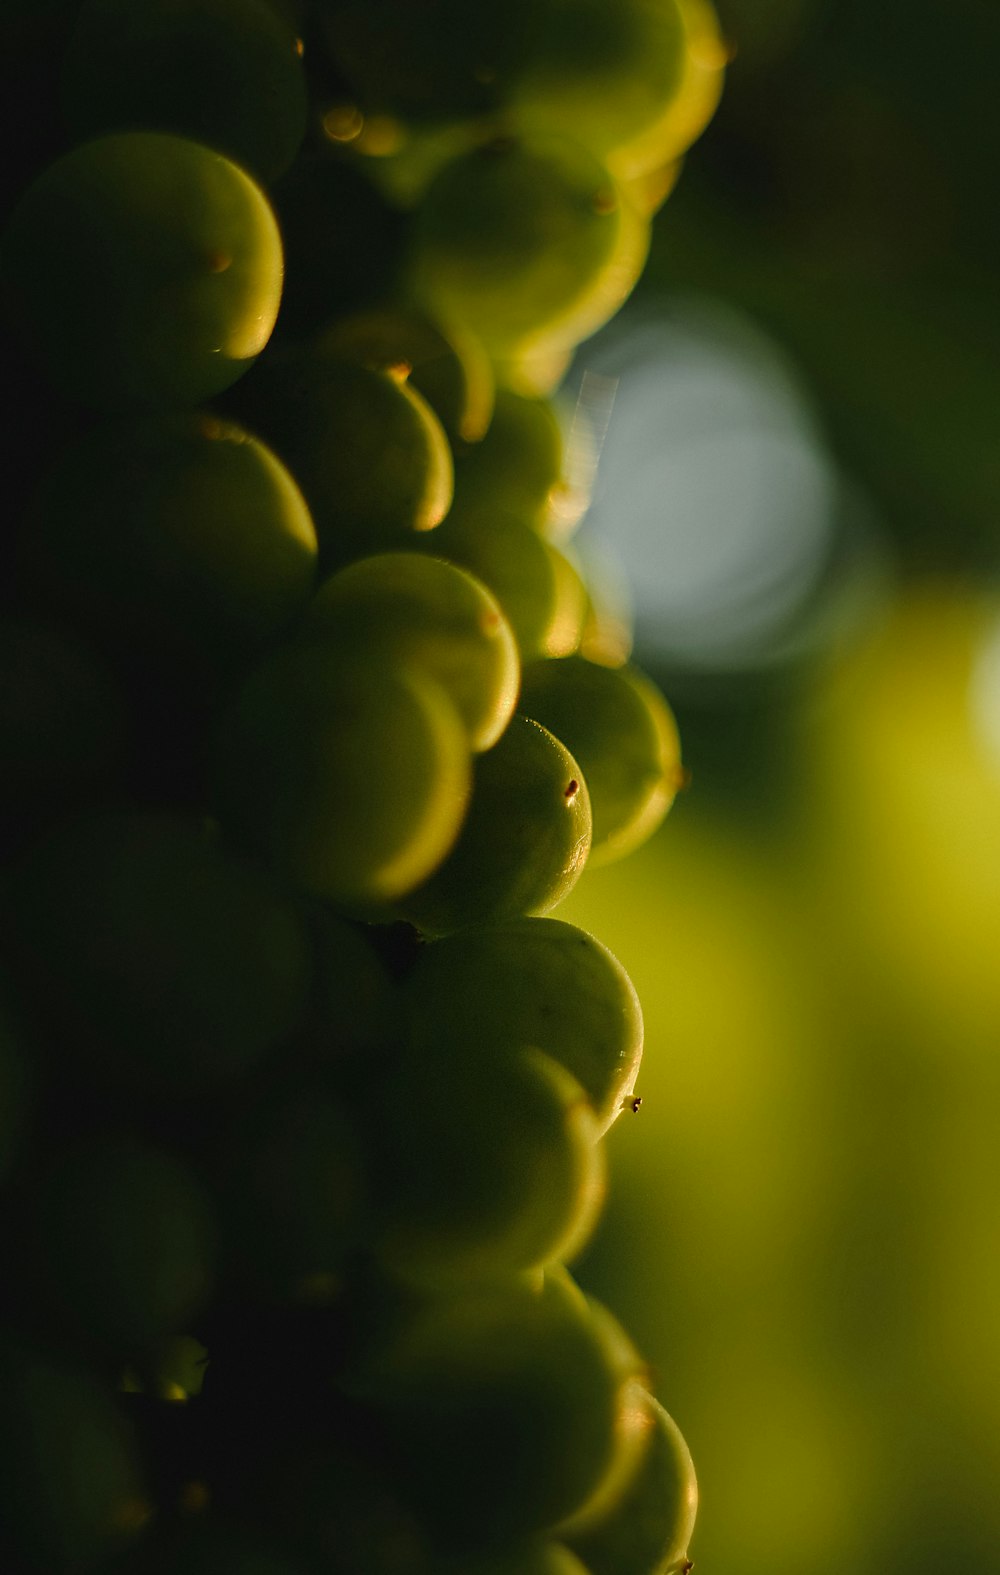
311	716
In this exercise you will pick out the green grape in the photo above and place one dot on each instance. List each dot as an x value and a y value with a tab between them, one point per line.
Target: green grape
487	1161
524	841
367	450
448	366
352	779
71	1490
622	732
126	1240
294	1194
541	594
690	108
507	1409
428	616
436	62
647	1530
179	535
600	71
144	271
343	242
223	72
516	239
171	962
532	981
519	462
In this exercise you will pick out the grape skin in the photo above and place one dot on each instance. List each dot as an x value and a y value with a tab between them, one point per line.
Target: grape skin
397	1154
352	780
532	980
144	270
524	842
432	616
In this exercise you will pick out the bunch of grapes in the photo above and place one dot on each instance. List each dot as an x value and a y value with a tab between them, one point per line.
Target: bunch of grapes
308	720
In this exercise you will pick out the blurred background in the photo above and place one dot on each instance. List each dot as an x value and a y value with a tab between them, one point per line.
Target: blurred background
799	487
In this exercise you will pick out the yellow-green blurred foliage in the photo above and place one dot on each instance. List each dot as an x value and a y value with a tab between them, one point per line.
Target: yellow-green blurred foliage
803	1230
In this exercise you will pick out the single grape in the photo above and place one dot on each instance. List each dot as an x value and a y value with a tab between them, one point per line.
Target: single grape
227	73
168	962
537	587
647	1530
532	981
524	842
429	616
515	238
447	365
125	1240
144	271
623	734
486	1161
179	536
352	779
368	452
506	1409
71	1488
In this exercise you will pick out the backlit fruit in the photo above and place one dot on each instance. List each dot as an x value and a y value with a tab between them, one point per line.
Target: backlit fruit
367	450
143	270
514	238
433	617
647	1531
487	1162
532	981
505	1408
623	735
182	536
523	843
351	778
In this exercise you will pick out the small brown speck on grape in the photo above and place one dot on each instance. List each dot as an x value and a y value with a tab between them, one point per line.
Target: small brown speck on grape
218	262
605	200
637	1101
572	789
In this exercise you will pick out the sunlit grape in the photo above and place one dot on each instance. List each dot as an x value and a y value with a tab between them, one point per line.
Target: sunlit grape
143	270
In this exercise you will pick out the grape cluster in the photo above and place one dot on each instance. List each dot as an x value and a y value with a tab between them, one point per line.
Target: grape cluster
308	720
